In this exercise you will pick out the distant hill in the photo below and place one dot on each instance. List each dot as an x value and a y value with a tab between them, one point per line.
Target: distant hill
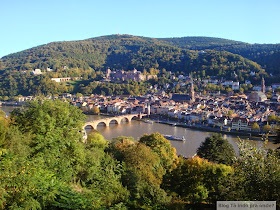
199	43
84	58
267	55
123	52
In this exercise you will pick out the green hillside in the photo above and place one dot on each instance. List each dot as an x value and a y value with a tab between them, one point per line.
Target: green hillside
199	43
88	58
119	51
267	55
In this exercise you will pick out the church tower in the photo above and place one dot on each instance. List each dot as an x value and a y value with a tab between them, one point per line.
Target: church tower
108	72
191	93
263	85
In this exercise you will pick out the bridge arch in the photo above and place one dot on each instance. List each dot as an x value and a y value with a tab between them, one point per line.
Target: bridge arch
89	125
102	123
134	118
114	120
125	119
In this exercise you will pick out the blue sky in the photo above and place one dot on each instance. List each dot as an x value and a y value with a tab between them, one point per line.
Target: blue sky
29	23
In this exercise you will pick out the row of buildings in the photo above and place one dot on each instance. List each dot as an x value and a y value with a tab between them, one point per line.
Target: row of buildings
225	112
234	112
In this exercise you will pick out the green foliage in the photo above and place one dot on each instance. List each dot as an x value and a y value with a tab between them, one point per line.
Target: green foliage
95	139
199	43
44	163
229	113
216	149
26	184
271	118
132	88
258	171
149	197
266	128
96	110
267	55
255	127
197	180
161	147
143	163
54	127
143	173
119	145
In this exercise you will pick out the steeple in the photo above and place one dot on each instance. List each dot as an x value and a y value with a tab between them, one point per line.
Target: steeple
191	93
263	85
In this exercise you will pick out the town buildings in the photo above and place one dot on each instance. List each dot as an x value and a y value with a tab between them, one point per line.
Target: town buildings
65	79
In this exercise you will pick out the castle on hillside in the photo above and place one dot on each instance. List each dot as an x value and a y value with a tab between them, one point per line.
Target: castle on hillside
128	75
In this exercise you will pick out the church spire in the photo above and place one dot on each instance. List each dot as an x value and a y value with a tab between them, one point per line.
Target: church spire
263	85
191	93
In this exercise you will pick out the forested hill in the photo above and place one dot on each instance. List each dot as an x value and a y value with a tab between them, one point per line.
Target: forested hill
126	52
267	55
114	51
199	43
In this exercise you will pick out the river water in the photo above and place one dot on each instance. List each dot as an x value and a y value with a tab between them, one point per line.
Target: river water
137	129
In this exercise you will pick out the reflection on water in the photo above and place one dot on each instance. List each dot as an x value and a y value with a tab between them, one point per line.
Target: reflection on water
137	129
188	148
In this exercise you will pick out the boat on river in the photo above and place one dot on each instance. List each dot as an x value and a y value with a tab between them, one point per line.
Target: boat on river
174	138
148	121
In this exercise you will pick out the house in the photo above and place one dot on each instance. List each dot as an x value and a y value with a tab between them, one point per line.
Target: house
65	79
235	86
182	77
163	110
228	82
240	124
247	82
275	97
36	72
192	117
257	88
275	85
257	96
172	113
181	98
202	52
115	107
220	121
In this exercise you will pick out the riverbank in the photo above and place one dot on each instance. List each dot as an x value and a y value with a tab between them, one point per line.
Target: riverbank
217	130
2	103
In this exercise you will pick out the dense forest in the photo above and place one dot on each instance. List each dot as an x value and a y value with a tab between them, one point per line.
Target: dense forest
200	43
90	58
121	52
267	55
45	163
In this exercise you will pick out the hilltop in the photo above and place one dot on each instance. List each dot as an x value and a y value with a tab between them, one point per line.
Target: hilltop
267	55
199	42
125	52
201	56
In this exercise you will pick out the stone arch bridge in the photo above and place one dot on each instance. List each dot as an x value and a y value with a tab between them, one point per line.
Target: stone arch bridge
117	119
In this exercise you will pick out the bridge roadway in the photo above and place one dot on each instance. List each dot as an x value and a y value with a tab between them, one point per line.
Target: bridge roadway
117	119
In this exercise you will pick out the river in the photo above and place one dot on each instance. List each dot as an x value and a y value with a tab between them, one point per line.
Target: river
137	129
